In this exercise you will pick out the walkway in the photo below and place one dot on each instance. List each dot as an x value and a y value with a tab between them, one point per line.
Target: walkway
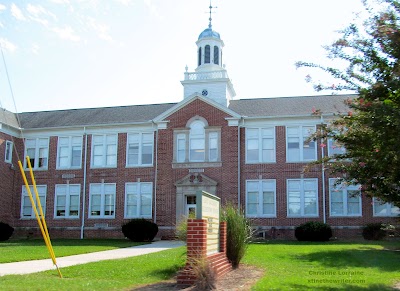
28	267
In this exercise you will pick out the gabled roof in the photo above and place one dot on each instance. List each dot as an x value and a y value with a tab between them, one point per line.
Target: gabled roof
92	116
191	98
290	106
9	118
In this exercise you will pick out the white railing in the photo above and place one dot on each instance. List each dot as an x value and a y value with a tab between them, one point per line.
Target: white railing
206	75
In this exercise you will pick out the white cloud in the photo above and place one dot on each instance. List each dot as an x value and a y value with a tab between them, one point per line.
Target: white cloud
7	45
38	13
153	8
35	48
66	33
16	12
124	2
102	30
2	7
59	1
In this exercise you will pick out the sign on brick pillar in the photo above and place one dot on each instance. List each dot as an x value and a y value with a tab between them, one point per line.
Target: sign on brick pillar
206	239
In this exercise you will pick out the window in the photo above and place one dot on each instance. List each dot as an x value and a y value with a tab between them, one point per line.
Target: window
102	200
297	147
344	200
384	209
38	151
216	55
8	152
197	142
181	148
334	148
260	145
138	199
302	197
261	198
67	199
69	154
140	149
104	150
207	54
199	57
26	207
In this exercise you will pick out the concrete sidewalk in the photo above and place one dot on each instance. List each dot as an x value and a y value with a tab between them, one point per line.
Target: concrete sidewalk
28	267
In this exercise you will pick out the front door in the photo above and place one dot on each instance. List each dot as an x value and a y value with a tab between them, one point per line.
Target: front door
190	206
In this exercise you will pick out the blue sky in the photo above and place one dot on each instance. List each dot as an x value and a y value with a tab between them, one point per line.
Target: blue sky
63	54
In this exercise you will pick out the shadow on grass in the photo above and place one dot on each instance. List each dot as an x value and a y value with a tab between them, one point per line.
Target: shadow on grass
384	260
346	287
72	242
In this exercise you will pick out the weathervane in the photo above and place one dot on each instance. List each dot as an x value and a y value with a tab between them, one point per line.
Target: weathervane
211	7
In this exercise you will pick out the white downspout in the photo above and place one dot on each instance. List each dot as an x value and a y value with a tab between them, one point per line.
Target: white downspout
84	185
323	176
155	177
239	173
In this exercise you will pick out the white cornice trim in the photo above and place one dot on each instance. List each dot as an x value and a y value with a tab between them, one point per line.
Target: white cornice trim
190	99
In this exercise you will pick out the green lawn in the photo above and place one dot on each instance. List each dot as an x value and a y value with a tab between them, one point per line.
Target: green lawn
288	266
24	250
326	266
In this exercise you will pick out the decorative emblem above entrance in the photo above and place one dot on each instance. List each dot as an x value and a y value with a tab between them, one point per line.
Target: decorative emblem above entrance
204	92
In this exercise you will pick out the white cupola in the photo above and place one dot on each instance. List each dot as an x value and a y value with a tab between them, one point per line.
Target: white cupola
210	78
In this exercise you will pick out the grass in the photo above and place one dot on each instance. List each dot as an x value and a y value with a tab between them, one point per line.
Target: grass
123	274
326	266
288	266
24	250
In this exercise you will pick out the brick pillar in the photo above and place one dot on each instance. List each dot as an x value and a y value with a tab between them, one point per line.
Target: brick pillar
222	237
196	238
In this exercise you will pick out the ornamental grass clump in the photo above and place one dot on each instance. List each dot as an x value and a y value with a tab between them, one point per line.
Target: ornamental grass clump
239	234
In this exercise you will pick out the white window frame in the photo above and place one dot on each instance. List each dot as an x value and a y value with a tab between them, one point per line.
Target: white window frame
390	209
302	137
71	143
261	136
102	193
138	189
345	198
302	197
8	152
104	155
42	191
141	143
270	186
41	151
183	139
334	149
70	190
201	137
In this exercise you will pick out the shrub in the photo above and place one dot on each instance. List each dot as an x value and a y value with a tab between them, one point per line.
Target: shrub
5	231
181	228
313	231
140	230
239	234
374	231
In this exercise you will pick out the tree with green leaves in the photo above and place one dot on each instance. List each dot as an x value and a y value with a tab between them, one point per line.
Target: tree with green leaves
370	130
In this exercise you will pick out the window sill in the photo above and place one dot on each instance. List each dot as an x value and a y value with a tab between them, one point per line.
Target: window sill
345	216
65	218
261	216
101	217
196	165
139	166
134	217
303	216
260	163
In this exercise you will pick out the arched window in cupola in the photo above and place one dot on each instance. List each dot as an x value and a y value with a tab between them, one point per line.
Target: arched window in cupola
207	54
216	55
199	58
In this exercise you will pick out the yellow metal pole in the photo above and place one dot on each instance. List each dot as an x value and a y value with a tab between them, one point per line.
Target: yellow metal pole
46	239
39	204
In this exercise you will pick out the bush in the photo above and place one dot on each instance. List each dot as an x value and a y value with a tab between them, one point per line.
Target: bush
313	231
140	230
374	231
181	228
239	234
5	231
